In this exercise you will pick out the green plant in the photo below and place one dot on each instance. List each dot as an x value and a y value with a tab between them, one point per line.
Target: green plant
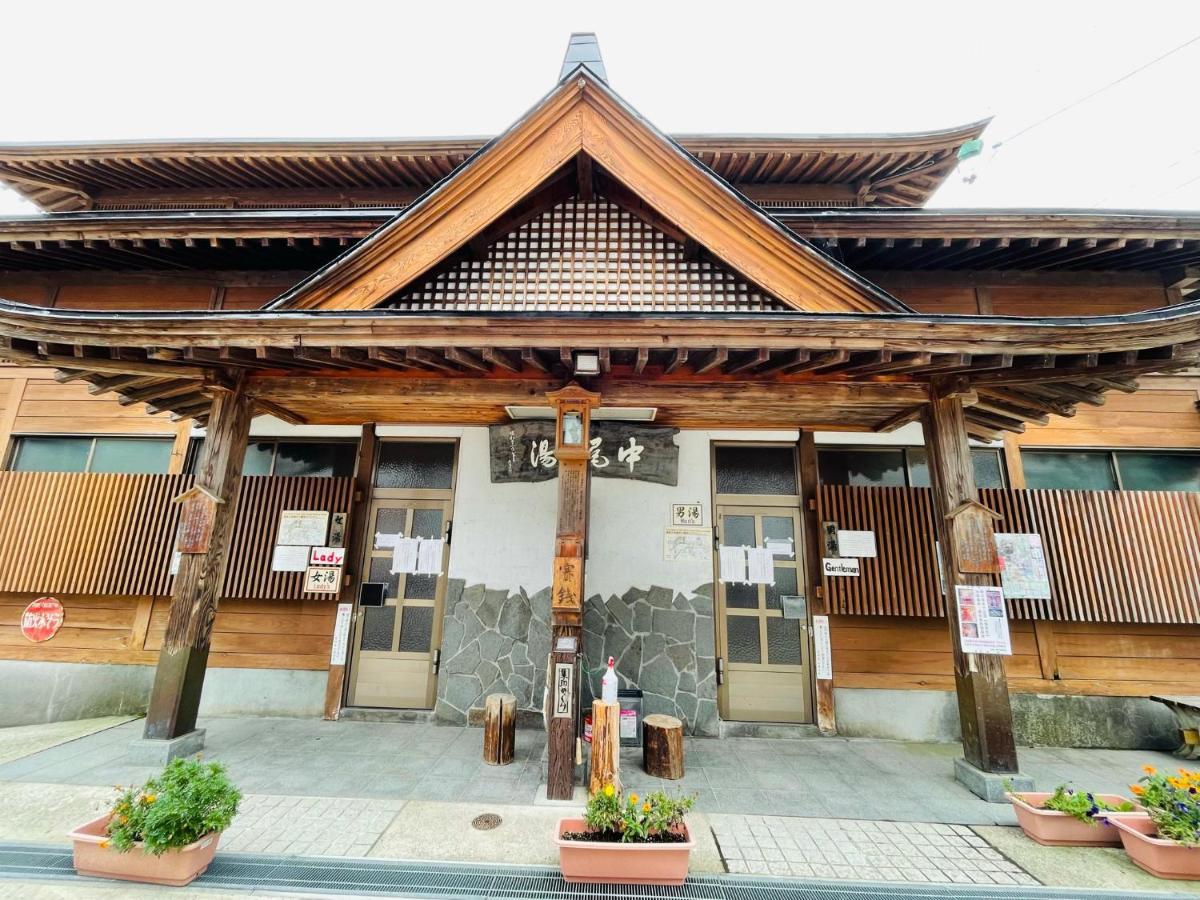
1081	805
610	815
1173	802
187	801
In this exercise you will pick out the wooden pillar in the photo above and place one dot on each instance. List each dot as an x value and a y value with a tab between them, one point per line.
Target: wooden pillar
968	557
207	519
356	552
810	546
573	406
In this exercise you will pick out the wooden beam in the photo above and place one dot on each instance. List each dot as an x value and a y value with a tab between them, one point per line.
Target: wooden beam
279	412
811	569
533	359
583	178
678	359
714	359
502	359
639	364
179	677
100	364
985	713
466	360
751	360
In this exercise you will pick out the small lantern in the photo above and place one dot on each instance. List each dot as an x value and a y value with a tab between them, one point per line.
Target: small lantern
574	406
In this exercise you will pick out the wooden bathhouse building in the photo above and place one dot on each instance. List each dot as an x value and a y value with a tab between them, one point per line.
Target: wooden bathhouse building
377	428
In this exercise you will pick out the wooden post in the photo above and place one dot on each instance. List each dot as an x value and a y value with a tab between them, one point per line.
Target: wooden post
810	546
499	729
356	551
983	703
573	406
179	678
605	767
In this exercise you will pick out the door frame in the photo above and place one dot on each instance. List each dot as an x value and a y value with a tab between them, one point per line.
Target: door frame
793	503
443	497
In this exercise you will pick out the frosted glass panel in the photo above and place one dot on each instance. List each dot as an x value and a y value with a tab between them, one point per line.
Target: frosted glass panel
427	523
378	623
381	571
389	522
416	464
1159	471
36	454
416	629
738	531
1068	470
420	587
783	642
741	596
756	470
744	645
124	455
779	528
785	583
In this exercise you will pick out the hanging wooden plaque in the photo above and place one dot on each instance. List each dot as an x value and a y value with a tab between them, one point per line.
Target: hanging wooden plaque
974	539
197	512
568	584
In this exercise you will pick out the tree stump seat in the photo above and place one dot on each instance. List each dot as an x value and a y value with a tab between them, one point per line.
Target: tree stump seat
662	746
499	729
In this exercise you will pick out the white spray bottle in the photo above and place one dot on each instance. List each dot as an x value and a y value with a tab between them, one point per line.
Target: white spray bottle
608	684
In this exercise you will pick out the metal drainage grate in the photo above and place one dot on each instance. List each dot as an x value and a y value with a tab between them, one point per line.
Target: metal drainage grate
486	822
245	871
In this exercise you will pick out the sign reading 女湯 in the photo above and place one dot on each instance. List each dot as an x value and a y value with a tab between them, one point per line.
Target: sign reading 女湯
524	451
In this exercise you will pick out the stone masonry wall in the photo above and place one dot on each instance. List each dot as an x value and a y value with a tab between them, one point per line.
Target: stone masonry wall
498	640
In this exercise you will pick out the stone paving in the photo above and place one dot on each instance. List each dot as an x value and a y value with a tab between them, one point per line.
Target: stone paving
921	852
309	826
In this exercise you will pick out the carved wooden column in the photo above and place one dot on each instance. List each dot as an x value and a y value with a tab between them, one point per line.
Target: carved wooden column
968	557
207	520
573	406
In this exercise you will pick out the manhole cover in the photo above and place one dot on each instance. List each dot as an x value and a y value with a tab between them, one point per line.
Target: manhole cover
486	822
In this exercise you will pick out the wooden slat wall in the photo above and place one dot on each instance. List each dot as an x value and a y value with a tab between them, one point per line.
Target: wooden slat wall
1113	556
74	533
1101	659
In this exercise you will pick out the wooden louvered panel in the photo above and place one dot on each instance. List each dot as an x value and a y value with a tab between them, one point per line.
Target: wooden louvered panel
1113	556
75	533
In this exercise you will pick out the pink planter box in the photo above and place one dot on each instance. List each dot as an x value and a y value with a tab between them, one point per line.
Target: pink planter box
600	862
1165	859
1056	829
175	867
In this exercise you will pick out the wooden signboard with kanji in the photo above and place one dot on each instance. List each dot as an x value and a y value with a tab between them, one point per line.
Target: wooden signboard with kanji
197	513
567	596
971	529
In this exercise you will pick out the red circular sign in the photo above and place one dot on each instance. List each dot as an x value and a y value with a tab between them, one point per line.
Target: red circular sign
42	619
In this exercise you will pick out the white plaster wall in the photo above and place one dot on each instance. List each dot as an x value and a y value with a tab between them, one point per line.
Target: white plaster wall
504	533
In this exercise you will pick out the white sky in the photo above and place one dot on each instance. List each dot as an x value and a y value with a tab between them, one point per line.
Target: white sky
131	70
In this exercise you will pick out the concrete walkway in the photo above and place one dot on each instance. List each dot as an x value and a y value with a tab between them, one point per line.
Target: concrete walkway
823	806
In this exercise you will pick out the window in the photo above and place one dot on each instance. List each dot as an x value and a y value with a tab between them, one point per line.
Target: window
272	457
746	469
899	466
1110	470
91	454
415	464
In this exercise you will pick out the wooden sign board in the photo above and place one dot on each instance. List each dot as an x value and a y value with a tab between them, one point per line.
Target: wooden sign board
567	588
197	513
974	538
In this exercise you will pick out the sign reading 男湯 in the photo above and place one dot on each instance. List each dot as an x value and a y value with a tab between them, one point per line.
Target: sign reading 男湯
524	451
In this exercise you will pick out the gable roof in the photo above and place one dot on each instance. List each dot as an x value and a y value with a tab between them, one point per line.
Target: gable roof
583	117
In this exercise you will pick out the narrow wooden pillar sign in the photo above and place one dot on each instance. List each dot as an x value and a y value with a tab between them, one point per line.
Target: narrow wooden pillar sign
573	406
968	558
208	516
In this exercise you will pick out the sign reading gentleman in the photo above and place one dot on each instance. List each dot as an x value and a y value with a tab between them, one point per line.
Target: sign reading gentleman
524	451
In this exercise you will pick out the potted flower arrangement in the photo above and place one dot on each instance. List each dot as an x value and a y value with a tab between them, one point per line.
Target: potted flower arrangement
1166	843
164	832
1071	818
627	840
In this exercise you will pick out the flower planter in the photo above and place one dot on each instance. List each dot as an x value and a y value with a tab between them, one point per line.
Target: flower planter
600	862
1165	859
175	867
1057	829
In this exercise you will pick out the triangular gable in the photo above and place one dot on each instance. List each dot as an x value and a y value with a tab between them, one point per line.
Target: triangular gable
582	115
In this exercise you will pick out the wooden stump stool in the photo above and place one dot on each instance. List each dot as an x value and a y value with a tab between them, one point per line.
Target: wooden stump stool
662	746
606	746
499	729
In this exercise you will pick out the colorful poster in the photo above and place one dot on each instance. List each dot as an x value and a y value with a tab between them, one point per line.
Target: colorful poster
983	619
1024	559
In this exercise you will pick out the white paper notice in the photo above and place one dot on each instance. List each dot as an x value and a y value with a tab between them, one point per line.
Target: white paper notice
856	543
685	544
383	541
303	526
781	547
341	634
404	556
287	558
733	565
822	652
982	619
1024	573
761	564
429	557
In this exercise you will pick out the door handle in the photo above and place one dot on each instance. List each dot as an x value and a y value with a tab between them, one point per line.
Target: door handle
720	670
437	661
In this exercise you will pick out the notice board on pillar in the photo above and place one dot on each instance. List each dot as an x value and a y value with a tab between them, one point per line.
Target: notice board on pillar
982	619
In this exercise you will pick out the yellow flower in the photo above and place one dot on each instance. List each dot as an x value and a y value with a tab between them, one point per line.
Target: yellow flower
633	799
645	807
104	844
1137	789
609	790
1149	770
150	798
